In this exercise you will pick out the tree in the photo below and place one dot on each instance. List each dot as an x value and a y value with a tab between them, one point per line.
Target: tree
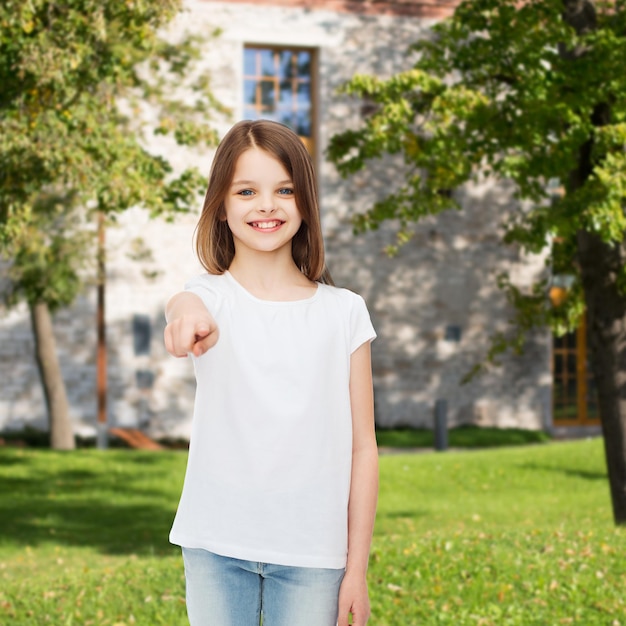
80	79
534	93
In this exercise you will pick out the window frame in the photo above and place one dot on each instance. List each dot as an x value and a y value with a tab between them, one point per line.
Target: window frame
311	141
586	410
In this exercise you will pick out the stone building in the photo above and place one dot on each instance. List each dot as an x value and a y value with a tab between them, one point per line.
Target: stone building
434	306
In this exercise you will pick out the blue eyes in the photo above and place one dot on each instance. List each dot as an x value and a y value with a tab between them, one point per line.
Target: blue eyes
285	191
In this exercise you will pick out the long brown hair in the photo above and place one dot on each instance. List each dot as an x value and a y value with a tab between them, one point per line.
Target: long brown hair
214	241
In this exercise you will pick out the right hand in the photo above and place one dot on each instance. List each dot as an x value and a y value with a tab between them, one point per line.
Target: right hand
191	333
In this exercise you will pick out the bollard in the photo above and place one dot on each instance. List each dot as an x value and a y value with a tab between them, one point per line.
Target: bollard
441	425
102	436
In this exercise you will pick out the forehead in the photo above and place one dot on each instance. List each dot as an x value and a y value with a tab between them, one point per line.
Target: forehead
257	164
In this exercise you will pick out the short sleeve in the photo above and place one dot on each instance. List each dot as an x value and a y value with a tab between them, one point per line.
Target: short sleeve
361	328
203	287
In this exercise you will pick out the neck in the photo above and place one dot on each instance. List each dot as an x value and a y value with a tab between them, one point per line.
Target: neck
269	275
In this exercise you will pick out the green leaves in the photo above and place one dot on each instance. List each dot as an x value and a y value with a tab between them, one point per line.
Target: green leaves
82	81
48	250
513	91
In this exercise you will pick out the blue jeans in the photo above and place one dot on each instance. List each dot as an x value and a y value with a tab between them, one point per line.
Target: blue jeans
222	591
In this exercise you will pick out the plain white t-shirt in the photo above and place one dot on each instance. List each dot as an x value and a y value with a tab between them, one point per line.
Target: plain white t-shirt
268	473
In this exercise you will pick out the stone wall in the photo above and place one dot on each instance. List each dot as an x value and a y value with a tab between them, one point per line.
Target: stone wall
413	8
434	306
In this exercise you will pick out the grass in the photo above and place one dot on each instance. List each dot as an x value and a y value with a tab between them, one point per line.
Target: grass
460	437
512	536
467	436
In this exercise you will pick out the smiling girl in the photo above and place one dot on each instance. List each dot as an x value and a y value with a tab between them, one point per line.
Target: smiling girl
279	500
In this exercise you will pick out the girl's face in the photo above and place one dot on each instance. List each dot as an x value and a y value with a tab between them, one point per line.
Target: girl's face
260	205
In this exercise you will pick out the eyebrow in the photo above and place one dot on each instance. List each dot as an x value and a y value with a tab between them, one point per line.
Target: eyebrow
287	181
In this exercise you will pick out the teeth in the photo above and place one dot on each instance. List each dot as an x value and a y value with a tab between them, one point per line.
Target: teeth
266	224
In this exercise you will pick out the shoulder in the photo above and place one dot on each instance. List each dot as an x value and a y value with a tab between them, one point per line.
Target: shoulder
350	307
348	304
206	281
217	285
211	288
344	297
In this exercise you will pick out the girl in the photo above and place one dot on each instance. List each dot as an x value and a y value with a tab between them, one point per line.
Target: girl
278	504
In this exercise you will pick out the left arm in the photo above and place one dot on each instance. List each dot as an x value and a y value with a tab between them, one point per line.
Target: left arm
353	595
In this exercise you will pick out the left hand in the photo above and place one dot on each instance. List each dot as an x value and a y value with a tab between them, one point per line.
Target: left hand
353	599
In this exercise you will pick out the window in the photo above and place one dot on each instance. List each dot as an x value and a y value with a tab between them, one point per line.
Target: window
574	390
278	86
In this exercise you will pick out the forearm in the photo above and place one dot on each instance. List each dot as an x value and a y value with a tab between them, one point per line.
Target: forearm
184	303
362	507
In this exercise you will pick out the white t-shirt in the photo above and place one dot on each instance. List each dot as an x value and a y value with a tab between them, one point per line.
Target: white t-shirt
268	473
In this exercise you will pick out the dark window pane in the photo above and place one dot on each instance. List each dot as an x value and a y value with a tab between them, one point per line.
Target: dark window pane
571	364
268	95
304	64
286	65
572	389
558	364
558	391
565	412
286	117
286	98
304	123
268	67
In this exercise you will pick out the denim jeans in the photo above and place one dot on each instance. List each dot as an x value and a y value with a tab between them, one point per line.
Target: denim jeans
222	591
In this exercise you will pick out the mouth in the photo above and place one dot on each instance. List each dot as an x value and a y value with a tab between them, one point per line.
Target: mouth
266	224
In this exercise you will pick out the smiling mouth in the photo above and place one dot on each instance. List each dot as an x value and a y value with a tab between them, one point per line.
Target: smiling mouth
266	225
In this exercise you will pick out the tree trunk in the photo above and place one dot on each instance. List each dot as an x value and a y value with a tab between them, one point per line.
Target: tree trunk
61	432
600	264
606	320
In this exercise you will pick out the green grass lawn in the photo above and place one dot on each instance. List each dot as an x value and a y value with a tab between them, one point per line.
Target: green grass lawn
505	536
460	437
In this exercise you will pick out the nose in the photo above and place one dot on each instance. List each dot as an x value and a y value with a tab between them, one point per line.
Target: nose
267	204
